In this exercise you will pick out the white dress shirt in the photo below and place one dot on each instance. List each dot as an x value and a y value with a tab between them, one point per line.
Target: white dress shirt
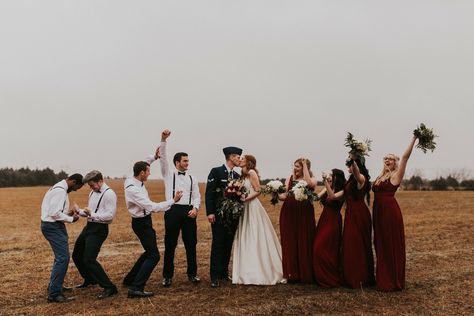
107	207
55	204
138	202
181	182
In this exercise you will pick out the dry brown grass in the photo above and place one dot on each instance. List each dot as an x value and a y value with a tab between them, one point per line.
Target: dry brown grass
440	271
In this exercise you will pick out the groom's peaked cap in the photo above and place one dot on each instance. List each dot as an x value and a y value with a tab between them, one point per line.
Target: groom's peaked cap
232	150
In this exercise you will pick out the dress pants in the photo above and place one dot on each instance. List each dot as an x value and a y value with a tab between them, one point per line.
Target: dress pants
141	271
86	250
176	220
56	234
221	249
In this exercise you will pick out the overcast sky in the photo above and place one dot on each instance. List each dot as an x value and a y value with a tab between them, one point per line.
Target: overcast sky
91	84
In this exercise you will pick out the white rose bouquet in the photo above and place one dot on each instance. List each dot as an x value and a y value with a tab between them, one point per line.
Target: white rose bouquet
274	188
301	192
358	148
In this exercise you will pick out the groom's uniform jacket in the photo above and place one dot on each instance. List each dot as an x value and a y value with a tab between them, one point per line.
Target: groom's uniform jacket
217	179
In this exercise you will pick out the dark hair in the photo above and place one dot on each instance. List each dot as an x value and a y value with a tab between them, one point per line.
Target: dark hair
139	167
363	170
338	181
77	178
177	157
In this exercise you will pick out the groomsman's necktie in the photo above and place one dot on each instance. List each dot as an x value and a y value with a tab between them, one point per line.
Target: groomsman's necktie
181	173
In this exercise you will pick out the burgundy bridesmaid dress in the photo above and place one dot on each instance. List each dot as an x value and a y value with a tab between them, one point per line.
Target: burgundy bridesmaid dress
357	256
327	244
389	238
297	227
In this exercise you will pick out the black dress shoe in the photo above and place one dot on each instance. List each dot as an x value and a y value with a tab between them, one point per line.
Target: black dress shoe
108	292
134	293
226	278
59	299
194	279
67	289
85	285
215	283
167	282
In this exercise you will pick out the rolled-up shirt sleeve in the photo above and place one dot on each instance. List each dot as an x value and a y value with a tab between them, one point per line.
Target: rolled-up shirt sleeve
150	159
146	204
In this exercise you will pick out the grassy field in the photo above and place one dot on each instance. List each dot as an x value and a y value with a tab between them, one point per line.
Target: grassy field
440	270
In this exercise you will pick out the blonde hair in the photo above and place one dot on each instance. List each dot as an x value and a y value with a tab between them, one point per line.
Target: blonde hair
300	162
387	174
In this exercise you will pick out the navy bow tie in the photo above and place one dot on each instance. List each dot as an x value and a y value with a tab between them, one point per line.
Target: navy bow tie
181	173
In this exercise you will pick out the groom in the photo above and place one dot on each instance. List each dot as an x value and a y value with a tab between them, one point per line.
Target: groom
222	237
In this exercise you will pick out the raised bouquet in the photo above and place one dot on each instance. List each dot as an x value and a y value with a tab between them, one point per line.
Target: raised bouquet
302	192
327	175
425	138
358	148
274	188
232	206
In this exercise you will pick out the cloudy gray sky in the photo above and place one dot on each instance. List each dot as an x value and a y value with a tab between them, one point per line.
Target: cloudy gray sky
91	84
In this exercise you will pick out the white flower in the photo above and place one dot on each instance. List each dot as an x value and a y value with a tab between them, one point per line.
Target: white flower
327	175
300	194
301	184
275	185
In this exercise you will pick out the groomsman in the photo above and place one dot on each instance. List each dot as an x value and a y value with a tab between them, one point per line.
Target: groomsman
100	212
222	237
54	213
140	208
182	215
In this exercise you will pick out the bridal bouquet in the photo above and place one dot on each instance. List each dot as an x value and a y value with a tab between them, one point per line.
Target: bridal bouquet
301	192
274	188
358	148
231	206
425	138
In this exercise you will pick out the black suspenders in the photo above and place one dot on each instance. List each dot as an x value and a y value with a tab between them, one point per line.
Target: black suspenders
100	200
190	191
131	185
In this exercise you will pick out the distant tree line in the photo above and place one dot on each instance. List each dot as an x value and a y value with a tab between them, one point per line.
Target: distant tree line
25	177
438	184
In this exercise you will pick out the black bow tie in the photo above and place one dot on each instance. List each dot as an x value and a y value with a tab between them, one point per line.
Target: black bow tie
181	173
142	183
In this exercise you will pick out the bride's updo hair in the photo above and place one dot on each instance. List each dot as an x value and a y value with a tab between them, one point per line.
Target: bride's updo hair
250	164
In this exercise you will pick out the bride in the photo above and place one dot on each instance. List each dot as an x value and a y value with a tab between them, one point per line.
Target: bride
257	250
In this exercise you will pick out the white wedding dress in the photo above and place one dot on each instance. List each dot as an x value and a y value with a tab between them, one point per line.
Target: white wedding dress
257	249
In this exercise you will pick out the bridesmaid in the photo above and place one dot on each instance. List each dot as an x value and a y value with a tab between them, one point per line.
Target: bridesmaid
357	256
389	235
327	241
297	226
